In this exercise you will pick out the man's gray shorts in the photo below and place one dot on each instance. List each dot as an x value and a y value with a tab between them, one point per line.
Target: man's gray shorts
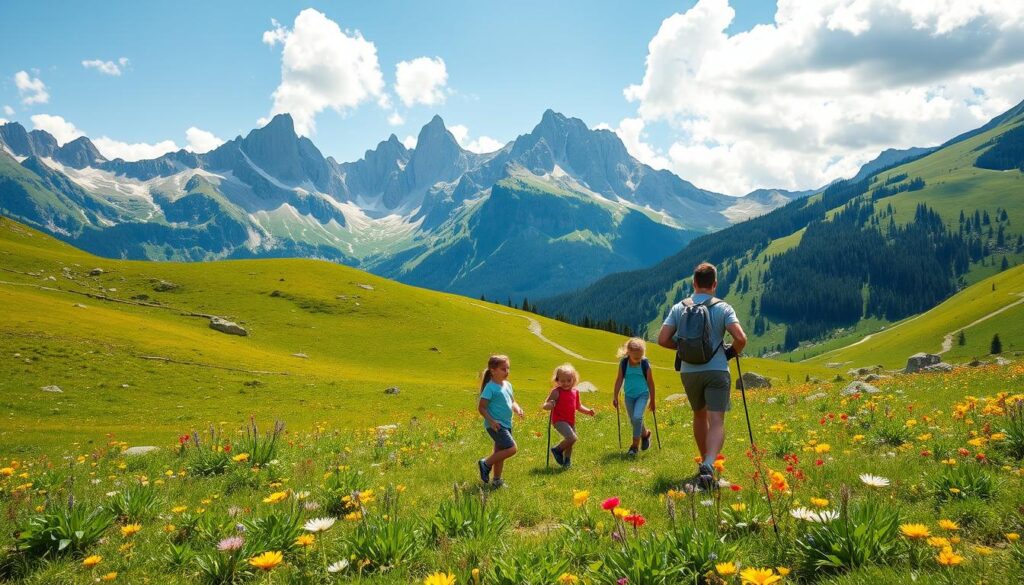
708	389
565	429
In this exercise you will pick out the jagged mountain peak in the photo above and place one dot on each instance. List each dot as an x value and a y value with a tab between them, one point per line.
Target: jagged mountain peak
80	153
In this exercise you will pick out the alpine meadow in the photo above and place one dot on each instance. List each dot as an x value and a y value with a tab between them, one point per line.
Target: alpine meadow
744	307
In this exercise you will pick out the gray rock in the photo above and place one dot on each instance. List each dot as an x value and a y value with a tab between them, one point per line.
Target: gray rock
392	390
164	286
754	380
976	363
772	400
675	398
54	389
939	367
586	387
365	286
859	387
80	305
833	364
919	361
876	377
1001	361
858	372
134	451
229	327
300	355
96	272
816	396
386	428
814	380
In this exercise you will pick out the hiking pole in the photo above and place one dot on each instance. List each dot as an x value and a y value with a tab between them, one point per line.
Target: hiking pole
654	413
753	448
547	462
618	420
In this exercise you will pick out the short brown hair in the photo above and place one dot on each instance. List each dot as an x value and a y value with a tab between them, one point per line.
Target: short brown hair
705	275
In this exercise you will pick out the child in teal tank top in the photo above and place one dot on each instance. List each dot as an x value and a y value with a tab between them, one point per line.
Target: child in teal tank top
636	375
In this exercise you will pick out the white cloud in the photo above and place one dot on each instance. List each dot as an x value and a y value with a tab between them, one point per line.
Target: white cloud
421	81
481	145
8	110
200	141
112	149
829	84
31	90
396	119
107	67
57	126
409	141
631	132
3	121
322	67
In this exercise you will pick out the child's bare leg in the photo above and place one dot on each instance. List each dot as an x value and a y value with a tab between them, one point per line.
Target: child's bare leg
497	460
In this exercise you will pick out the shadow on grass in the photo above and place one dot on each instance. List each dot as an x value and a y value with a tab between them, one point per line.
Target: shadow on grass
553	470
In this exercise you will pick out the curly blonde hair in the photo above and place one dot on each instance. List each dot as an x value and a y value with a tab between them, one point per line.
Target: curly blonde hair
566	369
631	344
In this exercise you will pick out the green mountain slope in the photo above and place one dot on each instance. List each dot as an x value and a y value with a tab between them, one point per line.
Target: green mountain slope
359	334
842	263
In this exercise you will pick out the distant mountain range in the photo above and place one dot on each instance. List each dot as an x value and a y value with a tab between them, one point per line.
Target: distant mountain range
905	233
550	211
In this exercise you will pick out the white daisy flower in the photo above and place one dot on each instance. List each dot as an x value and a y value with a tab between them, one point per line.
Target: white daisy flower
320	524
338	566
874	480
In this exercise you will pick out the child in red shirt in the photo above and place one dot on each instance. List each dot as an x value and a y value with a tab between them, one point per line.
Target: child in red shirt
564	402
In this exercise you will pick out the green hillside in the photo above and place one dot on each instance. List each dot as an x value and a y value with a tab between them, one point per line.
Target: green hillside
361	334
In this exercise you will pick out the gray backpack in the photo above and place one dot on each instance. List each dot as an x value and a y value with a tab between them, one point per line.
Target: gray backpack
693	333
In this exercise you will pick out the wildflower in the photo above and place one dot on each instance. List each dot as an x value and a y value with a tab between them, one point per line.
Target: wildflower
676	495
719	465
741	507
319	524
782	570
91	561
754	576
130	529
734	487
440	579
610	504
1012	536
948	525
305	540
240	458
267	560
275	498
620	512
819	502
939	542
983	550
778	482
726	569
353	516
580	497
914	530
874	480
568	579
109	576
948	558
179	509
822	448
858	438
636	520
230	544
338	566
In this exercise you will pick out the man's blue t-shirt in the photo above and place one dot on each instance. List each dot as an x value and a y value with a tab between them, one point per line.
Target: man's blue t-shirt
721	315
499	403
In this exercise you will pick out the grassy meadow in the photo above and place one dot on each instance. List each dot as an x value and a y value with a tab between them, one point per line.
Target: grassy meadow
221	502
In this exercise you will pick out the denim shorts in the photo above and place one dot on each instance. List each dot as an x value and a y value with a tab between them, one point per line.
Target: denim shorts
502	438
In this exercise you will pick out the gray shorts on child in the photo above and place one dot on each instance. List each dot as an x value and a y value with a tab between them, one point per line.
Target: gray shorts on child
502	438
565	429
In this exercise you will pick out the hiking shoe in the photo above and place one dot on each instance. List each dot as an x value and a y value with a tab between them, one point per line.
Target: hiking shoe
705	483
566	463
645	441
485	471
558	456
631	452
705	469
498	483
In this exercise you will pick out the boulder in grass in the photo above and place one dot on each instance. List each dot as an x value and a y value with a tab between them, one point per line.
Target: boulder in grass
941	367
858	387
164	286
675	398
53	389
392	390
876	377
135	451
1001	361
96	272
586	387
919	361
229	327
754	380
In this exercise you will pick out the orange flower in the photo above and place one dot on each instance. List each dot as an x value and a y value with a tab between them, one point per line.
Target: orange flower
267	560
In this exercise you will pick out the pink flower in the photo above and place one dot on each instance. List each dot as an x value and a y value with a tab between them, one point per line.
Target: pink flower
610	504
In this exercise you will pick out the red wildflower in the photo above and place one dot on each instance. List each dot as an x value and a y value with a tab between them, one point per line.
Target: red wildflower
819	462
183	439
735	487
610	503
636	520
963	452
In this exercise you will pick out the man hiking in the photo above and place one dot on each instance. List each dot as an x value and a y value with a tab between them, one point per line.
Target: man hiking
695	328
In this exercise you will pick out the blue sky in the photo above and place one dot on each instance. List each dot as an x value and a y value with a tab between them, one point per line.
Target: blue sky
206	65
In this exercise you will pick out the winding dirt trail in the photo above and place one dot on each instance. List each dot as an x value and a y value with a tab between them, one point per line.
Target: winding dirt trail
533	326
947	341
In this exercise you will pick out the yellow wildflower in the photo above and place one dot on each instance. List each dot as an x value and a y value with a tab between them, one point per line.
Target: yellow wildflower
130	529
91	561
305	540
267	560
440	579
580	497
754	576
914	530
726	569
948	525
948	558
275	498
